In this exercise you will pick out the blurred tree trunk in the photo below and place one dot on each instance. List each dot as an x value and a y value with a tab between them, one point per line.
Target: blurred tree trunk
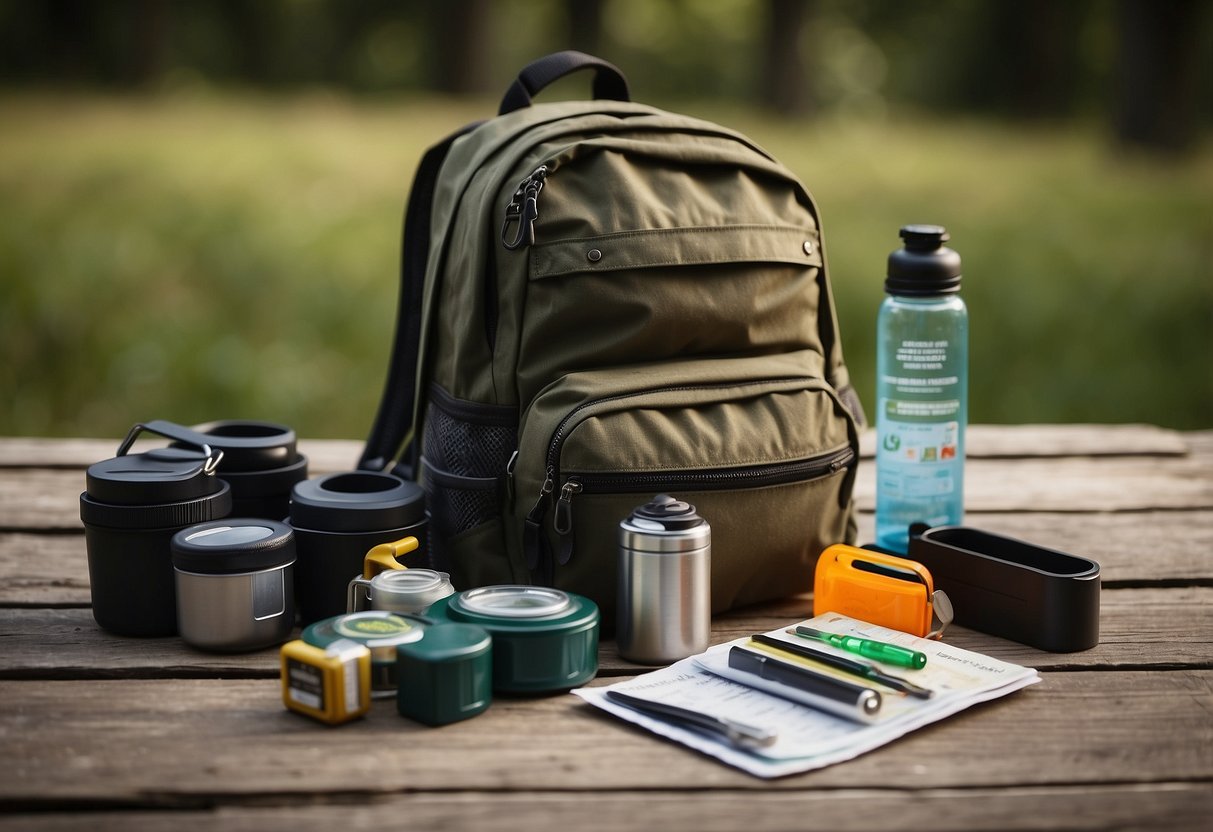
1157	79
785	82
584	21
462	35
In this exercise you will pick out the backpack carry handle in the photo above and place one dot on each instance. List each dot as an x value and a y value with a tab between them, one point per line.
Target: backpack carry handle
608	83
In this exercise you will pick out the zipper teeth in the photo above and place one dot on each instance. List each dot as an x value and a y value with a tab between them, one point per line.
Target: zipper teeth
774	473
558	434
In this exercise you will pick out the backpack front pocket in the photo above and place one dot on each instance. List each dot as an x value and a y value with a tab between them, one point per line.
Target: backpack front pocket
761	445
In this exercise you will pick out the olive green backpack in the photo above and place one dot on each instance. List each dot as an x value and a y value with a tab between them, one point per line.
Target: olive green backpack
600	302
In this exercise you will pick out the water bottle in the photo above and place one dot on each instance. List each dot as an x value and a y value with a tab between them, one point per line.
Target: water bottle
922	357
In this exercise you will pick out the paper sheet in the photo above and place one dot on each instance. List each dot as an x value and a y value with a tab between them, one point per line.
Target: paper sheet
808	738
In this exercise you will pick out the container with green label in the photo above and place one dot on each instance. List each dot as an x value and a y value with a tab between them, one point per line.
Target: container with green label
380	631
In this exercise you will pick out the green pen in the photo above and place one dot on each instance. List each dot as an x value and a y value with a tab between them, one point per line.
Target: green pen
878	650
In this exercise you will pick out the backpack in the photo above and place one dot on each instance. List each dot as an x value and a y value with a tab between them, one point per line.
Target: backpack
600	302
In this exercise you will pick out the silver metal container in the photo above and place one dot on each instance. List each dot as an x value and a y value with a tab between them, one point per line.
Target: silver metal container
235	584
665	594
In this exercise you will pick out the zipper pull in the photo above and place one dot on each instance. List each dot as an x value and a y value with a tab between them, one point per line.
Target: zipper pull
563	521
524	209
533	526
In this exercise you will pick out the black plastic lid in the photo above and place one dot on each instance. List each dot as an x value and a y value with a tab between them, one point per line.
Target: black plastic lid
164	475
226	547
357	501
249	445
673	515
924	267
157	516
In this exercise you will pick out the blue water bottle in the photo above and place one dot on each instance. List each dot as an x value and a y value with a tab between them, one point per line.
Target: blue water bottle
922	359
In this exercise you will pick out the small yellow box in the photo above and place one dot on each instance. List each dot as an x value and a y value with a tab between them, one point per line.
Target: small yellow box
331	684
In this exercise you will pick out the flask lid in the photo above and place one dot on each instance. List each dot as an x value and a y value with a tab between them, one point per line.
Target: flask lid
924	266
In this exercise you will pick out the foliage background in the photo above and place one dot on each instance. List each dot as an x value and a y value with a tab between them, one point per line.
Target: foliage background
208	227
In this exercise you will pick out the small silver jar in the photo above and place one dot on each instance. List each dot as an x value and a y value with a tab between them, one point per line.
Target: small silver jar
235	584
665	594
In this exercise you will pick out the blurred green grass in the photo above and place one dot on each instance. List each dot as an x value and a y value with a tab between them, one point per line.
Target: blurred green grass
235	256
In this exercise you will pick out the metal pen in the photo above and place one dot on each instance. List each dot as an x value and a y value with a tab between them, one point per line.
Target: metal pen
854	666
735	733
808	687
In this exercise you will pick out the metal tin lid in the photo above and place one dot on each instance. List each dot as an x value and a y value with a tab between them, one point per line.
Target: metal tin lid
226	547
664	524
519	609
448	642
374	628
357	501
512	601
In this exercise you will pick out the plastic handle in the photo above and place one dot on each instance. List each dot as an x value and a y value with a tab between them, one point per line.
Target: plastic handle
609	82
383	557
174	431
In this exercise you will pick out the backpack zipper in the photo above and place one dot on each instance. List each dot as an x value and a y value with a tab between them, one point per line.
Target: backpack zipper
524	210
722	479
534	518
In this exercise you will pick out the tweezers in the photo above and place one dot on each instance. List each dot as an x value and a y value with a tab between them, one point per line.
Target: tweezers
735	733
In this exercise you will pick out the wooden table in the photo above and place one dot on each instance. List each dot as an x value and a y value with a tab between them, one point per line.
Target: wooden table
103	732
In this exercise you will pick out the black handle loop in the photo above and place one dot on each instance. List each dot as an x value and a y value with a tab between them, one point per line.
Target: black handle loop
609	82
171	430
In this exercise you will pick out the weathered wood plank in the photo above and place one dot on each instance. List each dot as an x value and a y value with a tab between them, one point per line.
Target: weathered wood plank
1170	806
324	455
38	499
1139	628
139	742
983	441
1131	548
1060	440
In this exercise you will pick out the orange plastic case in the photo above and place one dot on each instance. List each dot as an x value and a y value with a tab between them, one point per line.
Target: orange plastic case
880	589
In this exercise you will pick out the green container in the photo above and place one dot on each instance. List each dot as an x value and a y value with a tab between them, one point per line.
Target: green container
544	640
446	676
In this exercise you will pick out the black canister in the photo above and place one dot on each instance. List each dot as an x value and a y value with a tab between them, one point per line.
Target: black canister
132	506
337	519
260	463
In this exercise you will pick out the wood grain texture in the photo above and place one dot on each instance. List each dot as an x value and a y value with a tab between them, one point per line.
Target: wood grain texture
1139	628
1133	548
40	499
146	741
1170	806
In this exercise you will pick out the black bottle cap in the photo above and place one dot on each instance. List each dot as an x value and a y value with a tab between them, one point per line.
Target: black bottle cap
249	445
672	514
924	267
165	475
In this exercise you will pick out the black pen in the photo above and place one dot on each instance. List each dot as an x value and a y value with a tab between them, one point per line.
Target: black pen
865	669
808	687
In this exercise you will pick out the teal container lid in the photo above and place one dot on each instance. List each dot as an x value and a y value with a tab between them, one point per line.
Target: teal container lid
448	643
522	609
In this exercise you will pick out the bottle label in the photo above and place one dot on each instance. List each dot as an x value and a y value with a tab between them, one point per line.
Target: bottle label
919	422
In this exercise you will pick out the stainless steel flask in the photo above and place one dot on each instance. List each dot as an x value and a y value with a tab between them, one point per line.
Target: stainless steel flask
665	594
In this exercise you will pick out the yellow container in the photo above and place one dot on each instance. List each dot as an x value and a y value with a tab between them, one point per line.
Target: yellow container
331	684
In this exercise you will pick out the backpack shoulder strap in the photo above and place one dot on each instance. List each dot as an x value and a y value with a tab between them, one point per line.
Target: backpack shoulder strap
393	424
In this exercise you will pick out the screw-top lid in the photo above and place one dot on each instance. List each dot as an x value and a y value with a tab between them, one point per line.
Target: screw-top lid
359	501
924	267
447	643
664	524
227	547
249	445
158	489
